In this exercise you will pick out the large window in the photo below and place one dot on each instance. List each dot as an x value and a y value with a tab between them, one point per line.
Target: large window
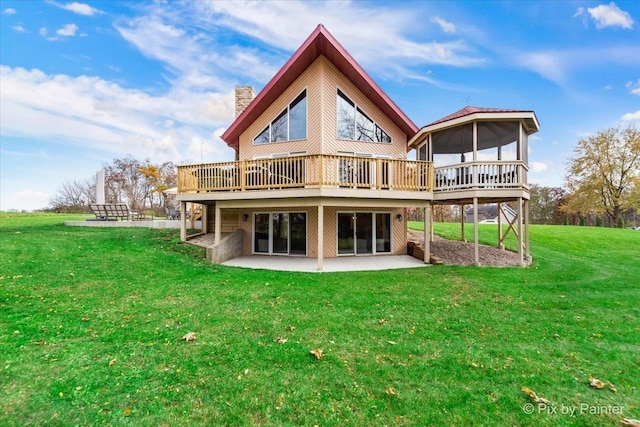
362	233
291	123
283	233
354	124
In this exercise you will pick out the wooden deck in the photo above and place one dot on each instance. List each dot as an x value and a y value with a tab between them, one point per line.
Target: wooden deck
311	171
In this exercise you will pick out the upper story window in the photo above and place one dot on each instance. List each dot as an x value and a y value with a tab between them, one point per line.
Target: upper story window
354	124
291	124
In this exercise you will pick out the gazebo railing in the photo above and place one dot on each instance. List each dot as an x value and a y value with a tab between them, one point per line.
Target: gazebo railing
481	175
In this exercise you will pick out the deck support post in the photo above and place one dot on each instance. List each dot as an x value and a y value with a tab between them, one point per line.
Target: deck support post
519	225
218	225
204	219
433	218
183	221
527	248
462	223
500	242
476	249
320	237
427	234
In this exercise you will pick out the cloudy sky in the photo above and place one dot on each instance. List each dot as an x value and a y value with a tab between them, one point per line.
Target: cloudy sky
85	82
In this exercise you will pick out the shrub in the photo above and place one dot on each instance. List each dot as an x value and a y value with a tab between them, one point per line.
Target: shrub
599	221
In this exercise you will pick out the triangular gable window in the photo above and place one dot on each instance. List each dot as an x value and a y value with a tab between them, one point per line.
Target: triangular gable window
354	124
290	125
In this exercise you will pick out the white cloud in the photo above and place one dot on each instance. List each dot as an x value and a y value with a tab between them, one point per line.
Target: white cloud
90	112
634	88
446	26
68	30
79	8
557	65
376	38
610	16
31	199
9	11
538	167
608	87
631	117
19	28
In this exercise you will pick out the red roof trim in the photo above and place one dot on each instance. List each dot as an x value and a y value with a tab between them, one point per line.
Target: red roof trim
320	42
469	110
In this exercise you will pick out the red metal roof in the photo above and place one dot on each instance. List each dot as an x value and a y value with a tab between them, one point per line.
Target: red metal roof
469	110
320	42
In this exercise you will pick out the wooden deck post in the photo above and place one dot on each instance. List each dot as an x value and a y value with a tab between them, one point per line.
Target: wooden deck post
527	248
462	223
476	249
320	236
204	219
519	224
500	243
183	221
427	234
218	225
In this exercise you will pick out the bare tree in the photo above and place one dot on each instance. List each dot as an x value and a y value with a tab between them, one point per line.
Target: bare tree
74	195
604	173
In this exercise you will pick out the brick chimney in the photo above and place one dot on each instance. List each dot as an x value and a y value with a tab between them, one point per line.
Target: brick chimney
244	96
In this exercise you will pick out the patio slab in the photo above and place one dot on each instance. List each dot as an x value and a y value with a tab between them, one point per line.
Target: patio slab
310	265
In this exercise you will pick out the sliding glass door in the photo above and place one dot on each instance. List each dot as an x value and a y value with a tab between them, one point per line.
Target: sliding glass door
281	233
362	233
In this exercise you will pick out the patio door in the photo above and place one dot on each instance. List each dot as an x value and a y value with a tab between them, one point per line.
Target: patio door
364	233
280	233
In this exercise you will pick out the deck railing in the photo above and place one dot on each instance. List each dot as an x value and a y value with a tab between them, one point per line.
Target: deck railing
481	175
310	171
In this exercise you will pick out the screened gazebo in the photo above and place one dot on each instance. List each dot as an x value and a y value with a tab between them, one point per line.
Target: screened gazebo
480	156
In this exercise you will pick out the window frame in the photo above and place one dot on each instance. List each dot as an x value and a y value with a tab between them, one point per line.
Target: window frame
357	110
286	112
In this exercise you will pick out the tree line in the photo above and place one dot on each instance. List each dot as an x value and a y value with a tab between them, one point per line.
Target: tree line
141	184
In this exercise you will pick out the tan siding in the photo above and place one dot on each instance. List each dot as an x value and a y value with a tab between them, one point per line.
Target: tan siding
311	80
230	219
333	80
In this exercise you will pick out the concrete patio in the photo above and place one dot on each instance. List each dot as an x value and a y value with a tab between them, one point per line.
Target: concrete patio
310	265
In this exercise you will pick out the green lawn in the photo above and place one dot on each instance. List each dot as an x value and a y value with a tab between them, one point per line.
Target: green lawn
91	322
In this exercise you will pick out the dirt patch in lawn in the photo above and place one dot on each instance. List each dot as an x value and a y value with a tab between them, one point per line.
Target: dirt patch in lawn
456	252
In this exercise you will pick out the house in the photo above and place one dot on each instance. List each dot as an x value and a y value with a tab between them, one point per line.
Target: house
490	212
321	166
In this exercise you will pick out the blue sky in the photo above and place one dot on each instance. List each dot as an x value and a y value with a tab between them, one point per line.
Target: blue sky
85	82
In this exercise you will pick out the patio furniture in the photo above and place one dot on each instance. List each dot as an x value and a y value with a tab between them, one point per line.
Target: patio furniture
172	213
114	211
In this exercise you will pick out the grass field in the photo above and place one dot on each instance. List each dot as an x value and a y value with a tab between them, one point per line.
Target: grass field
91	322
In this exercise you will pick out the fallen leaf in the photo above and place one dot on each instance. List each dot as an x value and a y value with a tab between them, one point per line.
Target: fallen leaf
390	391
382	321
291	328
281	340
113	362
84	319
532	394
630	422
190	336
596	383
392	342
127	411
317	353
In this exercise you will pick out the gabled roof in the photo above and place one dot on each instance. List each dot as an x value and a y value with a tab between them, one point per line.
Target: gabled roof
320	42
